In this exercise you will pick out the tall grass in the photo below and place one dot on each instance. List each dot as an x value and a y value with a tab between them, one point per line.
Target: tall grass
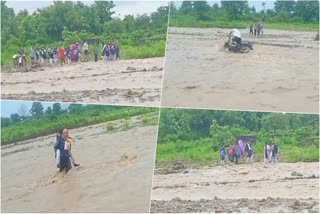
202	153
31	128
156	49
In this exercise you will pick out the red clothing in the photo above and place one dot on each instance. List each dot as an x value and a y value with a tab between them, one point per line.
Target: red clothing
231	150
61	53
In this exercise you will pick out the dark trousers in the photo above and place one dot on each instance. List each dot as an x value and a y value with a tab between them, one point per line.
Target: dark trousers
237	40
96	57
65	163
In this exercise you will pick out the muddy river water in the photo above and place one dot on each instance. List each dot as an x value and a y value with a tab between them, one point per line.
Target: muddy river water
280	74
115	174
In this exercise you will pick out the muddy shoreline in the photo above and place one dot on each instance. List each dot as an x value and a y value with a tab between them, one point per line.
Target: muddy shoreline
282	187
236	206
124	82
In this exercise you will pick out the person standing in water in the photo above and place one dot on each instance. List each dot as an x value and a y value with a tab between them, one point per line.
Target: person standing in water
67	146
58	147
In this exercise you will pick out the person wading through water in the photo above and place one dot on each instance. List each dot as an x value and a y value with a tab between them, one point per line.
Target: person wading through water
67	146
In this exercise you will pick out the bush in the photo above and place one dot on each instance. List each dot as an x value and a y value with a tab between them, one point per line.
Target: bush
110	127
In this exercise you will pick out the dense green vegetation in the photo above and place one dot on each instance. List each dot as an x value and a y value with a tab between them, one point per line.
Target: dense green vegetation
65	22
293	15
195	136
38	122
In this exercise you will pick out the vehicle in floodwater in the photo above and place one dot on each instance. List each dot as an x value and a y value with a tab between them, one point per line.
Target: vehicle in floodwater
243	47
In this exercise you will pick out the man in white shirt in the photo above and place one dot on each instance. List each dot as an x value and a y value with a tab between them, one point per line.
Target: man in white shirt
234	35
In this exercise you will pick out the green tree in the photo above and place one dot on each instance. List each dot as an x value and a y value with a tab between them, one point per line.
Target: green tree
275	121
49	110
5	121
201	9
308	10
56	108
7	22
115	26
142	21
160	17
235	9
75	108
104	11
287	6
15	117
186	7
36	109
129	23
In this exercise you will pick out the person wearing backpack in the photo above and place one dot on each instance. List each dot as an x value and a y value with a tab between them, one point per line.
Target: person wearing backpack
222	153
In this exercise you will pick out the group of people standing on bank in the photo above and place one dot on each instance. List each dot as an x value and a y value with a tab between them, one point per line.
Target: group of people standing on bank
256	29
75	52
241	149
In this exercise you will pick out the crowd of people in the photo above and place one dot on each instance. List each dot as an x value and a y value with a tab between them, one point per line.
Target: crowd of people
256	29
75	52
241	149
62	150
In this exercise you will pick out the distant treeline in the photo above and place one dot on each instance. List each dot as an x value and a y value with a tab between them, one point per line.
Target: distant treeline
290	14
195	136
183	124
39	121
67	21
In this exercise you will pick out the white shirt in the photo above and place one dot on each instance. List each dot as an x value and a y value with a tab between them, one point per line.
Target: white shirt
85	46
235	33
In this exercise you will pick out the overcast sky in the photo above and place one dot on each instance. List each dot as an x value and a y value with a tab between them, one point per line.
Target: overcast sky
9	107
121	8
